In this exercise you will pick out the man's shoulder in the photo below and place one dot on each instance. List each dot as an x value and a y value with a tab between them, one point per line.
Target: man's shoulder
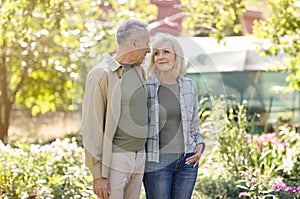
98	69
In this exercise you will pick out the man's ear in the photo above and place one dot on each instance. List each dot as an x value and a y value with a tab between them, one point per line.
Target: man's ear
134	42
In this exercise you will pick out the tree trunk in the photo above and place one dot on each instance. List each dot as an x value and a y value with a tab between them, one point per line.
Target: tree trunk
5	104
4	122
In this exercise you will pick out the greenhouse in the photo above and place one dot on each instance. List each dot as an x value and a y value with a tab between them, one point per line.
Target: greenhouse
238	72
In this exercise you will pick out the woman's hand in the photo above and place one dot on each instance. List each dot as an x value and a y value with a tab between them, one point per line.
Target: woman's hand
195	158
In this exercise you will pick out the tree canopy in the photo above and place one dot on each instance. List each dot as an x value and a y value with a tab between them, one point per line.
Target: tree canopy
280	33
47	44
218	18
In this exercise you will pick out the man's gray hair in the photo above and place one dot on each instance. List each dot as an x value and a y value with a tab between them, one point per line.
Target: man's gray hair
129	29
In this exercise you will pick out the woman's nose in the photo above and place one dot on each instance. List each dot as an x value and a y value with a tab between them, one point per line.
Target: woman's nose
160	55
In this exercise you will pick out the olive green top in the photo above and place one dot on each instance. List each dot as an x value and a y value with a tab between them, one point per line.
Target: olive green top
132	129
171	133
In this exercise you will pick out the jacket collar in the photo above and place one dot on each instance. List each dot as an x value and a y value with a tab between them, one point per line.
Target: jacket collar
112	64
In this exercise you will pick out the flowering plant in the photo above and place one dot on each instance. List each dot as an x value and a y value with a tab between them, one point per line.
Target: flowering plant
254	185
270	156
249	160
252	189
282	189
53	170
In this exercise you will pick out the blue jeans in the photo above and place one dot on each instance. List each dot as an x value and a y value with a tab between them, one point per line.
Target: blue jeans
171	178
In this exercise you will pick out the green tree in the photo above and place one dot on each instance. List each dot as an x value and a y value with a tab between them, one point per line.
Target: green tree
282	32
46	47
218	18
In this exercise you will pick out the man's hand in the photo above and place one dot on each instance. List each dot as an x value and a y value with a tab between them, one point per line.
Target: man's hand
101	187
195	158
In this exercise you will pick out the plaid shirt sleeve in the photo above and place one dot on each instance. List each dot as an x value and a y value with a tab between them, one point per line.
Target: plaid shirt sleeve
152	145
189	106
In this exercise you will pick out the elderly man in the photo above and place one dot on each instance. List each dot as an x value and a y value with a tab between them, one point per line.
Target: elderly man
115	116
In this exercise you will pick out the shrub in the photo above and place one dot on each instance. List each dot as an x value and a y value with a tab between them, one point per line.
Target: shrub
54	170
209	188
252	162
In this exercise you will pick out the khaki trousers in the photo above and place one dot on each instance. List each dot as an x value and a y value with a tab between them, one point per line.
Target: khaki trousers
126	175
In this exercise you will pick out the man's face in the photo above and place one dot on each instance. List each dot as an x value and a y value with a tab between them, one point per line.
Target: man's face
142	47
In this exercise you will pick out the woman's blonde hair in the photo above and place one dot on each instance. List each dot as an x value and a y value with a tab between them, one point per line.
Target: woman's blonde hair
180	67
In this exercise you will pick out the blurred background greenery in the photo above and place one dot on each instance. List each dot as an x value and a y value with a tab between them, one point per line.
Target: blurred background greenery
48	46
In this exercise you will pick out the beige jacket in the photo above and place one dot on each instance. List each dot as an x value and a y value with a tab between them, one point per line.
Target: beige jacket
101	109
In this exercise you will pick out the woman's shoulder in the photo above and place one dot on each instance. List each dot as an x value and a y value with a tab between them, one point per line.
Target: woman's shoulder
151	79
186	80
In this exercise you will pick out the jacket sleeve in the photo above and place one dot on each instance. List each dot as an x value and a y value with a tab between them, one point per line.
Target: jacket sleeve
93	164
93	119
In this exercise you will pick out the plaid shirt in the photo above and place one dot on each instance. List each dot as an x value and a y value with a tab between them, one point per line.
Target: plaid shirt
189	114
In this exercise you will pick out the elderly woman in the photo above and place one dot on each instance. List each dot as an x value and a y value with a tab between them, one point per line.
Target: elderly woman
173	149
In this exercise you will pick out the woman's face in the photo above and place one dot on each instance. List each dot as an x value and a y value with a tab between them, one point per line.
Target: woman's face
164	57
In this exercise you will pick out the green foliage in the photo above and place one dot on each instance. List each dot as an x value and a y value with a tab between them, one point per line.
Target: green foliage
274	154
48	46
253	163
41	40
282	31
209	188
213	18
46	42
230	145
237	164
255	185
54	170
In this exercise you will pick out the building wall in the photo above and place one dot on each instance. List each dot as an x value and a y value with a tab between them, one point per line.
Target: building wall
248	18
170	17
